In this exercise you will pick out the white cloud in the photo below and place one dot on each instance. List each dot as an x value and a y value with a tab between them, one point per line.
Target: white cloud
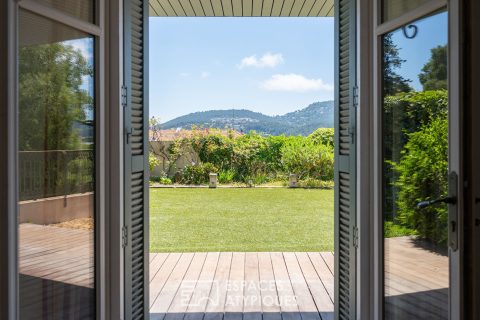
184	74
205	74
84	46
268	60
296	83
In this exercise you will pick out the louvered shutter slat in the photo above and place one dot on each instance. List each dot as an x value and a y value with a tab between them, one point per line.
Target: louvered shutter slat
345	162
135	161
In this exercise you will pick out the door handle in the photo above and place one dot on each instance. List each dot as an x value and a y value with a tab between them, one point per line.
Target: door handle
451	199
427	203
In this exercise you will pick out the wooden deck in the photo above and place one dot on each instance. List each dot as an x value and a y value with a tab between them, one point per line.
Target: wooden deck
57	263
416	280
57	254
56	273
239	285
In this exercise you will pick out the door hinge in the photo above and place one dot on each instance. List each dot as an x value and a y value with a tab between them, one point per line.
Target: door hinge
128	134
124	236
355	96
355	237
351	133
124	96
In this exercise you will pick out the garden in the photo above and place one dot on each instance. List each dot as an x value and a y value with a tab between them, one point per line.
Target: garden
246	159
254	212
275	218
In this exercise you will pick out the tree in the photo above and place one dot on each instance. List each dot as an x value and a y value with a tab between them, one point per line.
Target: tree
155	129
393	83
434	72
51	96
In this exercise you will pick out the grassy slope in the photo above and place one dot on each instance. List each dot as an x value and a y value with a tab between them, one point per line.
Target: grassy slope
188	220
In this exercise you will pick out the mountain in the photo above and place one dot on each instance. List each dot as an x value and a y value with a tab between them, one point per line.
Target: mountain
300	122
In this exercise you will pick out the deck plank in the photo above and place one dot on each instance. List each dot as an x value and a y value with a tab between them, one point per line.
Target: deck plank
198	302
318	290
306	304
268	288
156	264
323	272
165	297
156	285
235	289
329	258
184	293
286	295
218	294
252	309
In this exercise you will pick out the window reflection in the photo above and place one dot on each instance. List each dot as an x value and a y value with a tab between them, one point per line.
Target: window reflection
56	170
415	151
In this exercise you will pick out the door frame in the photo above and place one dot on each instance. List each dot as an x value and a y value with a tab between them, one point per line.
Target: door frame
8	163
455	142
9	243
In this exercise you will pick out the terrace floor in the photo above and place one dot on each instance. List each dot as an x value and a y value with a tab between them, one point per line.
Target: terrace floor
241	285
56	263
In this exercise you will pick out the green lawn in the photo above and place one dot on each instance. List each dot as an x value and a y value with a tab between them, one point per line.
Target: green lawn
276	219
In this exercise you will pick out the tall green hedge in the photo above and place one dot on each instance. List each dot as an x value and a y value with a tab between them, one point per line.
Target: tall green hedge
422	174
256	158
416	161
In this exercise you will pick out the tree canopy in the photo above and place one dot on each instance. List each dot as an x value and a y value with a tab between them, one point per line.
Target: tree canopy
434	72
51	96
393	83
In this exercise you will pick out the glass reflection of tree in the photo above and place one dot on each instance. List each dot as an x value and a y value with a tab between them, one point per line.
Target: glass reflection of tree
415	145
53	110
393	83
434	72
51	97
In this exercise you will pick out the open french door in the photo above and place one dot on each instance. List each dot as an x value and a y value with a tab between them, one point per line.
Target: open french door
419	146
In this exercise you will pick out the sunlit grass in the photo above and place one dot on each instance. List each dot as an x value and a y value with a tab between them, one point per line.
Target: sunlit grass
240	219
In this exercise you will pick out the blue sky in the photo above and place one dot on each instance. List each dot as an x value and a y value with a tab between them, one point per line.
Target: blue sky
269	65
432	32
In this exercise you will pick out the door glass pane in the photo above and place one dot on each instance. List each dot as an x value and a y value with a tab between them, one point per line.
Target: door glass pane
56	170
392	9
415	168
81	9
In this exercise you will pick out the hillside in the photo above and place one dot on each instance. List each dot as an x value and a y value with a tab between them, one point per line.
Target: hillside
300	122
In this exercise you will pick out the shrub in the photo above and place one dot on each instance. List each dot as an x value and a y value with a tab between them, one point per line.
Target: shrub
165	180
422	174
308	159
213	148
410	111
314	183
392	229
247	161
226	176
244	157
323	136
197	173
260	179
153	161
